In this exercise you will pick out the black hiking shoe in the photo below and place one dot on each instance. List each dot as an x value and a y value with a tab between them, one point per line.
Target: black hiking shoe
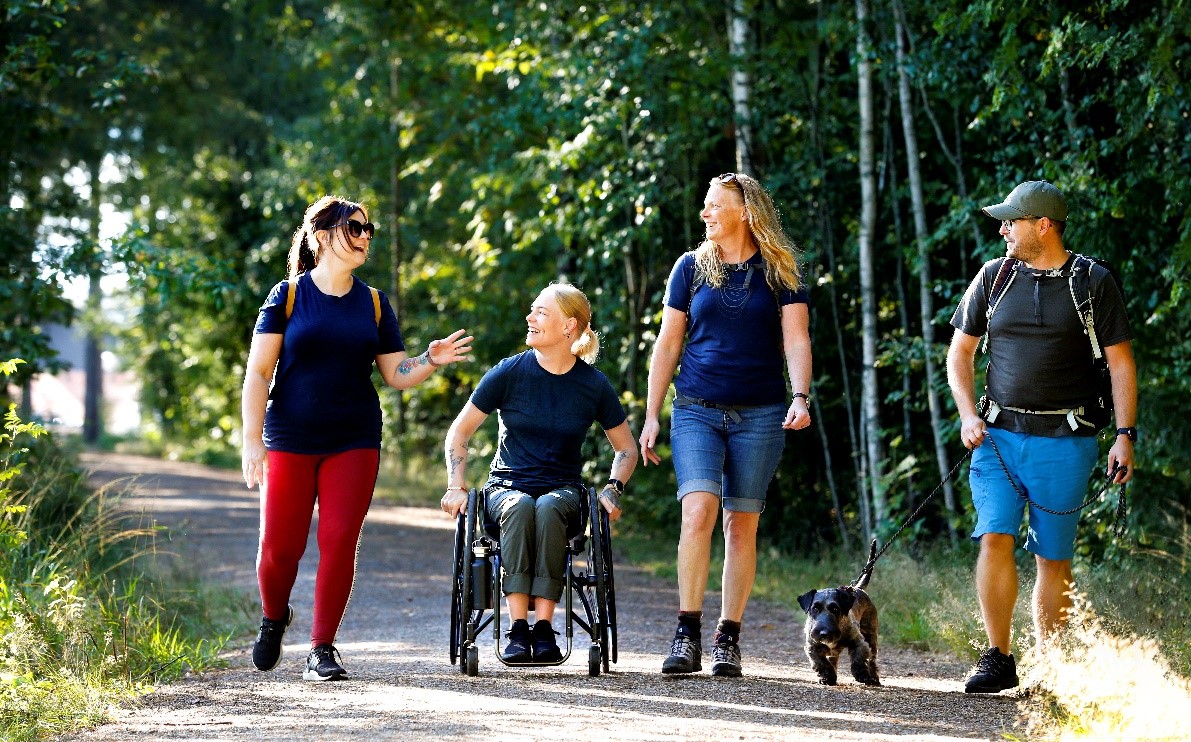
266	653
994	673
517	651
686	653
321	664
545	647
725	657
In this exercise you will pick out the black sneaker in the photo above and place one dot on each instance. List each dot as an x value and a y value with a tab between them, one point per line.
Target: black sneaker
321	664
994	673
517	651
725	657
266	653
686	653
545	647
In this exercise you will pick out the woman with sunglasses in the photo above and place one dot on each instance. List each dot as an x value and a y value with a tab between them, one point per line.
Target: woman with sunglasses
315	433
740	304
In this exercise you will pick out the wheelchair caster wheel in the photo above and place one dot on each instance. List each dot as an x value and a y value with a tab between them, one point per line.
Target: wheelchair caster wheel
593	660
472	665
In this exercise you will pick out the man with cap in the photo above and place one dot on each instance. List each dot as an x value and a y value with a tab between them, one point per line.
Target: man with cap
1041	373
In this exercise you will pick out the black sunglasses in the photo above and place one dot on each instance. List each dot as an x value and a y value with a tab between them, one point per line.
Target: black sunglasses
355	229
726	178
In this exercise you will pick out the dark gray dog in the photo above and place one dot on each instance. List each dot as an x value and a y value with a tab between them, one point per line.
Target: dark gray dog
841	618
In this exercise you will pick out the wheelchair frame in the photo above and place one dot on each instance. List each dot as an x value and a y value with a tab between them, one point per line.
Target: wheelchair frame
476	588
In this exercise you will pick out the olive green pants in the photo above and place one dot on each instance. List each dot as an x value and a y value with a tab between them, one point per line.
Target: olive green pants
533	538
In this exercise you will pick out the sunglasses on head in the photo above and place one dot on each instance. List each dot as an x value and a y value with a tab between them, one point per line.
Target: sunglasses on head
355	229
726	178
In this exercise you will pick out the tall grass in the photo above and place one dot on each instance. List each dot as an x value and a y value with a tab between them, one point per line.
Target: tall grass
84	623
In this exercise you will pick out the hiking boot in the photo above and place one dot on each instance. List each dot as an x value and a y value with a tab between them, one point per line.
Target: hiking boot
321	664
266	653
725	657
517	651
686	653
545	646
994	673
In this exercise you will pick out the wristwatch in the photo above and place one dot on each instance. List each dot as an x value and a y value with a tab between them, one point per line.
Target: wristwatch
617	485
1130	433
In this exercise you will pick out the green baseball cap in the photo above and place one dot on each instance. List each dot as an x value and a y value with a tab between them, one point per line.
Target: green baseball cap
1032	198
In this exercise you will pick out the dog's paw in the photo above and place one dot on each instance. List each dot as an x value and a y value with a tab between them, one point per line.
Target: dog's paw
827	680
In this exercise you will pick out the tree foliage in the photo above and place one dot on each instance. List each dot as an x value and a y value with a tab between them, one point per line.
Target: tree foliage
503	146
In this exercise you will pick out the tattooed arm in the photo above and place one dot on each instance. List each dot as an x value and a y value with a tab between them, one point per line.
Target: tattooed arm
623	464
469	420
400	371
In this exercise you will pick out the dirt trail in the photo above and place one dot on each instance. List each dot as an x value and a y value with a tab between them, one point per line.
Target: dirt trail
394	642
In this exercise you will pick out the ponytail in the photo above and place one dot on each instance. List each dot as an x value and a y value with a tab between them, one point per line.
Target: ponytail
587	347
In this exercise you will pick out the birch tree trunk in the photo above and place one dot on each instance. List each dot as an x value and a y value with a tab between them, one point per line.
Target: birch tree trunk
395	256
93	385
926	303
868	301
738	32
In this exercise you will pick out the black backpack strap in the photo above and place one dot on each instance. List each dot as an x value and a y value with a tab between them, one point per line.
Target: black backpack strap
697	280
1005	275
1080	284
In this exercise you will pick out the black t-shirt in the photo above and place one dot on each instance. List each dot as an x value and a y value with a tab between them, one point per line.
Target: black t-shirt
1040	357
544	419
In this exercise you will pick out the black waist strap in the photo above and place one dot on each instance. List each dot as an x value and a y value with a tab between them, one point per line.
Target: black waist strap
733	410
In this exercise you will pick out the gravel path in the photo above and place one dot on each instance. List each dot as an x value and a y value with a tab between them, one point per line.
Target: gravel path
394	642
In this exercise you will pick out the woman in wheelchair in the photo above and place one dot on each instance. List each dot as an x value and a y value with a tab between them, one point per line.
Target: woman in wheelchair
546	399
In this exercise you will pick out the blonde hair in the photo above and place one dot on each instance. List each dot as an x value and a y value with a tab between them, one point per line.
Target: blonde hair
574	304
328	211
777	250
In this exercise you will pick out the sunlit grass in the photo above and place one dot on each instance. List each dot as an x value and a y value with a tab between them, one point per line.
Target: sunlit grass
1101	685
88	619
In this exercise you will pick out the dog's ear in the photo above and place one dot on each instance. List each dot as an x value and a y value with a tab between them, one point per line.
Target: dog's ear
845	597
806	600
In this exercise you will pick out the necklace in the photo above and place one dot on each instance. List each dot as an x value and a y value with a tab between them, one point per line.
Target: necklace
734	298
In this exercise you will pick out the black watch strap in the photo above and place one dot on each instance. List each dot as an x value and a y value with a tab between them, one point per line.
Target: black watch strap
616	485
1130	433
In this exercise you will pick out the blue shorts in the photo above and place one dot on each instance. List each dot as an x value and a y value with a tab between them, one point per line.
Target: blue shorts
733	460
1053	472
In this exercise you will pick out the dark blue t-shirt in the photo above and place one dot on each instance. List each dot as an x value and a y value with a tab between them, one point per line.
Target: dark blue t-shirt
543	420
322	399
733	350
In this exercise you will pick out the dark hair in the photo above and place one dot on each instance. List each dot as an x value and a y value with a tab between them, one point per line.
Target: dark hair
323	214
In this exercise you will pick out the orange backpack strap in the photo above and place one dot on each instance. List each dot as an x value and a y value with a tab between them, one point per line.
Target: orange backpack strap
290	292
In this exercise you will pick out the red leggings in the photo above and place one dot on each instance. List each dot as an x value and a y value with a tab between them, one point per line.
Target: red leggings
342	483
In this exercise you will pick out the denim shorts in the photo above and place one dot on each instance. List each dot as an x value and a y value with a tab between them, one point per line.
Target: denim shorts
1053	472
733	460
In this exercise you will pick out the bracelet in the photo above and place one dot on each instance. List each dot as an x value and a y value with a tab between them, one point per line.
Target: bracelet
461	489
807	397
431	360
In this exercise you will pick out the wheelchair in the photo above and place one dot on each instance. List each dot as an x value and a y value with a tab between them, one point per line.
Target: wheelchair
476	586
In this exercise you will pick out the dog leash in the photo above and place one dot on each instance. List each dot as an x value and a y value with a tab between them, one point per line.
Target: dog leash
874	555
1122	506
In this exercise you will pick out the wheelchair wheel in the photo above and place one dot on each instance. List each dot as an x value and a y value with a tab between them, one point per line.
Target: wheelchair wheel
593	660
472	665
601	566
467	628
458	614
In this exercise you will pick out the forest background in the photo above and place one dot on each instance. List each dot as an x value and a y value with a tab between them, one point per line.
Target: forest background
501	146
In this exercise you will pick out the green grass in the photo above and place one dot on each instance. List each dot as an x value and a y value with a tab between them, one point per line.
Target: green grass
89	616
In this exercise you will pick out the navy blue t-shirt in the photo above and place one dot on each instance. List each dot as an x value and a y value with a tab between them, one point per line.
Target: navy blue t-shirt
733	352
543	420
322	399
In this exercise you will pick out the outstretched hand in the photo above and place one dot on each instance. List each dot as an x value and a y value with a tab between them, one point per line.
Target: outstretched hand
451	349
